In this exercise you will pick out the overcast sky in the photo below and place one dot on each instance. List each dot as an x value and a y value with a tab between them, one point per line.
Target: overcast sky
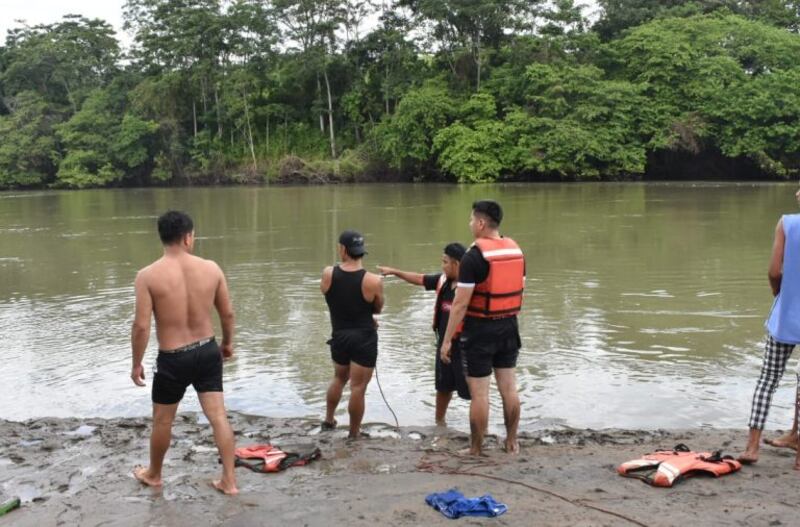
47	11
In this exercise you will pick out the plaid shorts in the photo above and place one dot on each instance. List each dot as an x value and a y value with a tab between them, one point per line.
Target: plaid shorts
776	354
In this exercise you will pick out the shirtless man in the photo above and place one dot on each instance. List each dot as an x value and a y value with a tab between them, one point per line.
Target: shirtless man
180	290
353	296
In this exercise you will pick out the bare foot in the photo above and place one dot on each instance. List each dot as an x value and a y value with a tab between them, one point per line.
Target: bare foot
225	488
511	447
748	458
142	474
328	425
785	441
471	452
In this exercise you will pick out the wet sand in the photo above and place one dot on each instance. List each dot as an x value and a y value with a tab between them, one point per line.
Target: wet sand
78	472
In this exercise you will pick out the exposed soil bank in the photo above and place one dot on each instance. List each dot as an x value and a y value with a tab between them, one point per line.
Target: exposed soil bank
77	472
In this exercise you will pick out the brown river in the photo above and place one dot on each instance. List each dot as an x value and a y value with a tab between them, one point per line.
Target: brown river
644	305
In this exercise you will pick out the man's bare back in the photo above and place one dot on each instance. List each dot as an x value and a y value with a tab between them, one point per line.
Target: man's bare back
182	289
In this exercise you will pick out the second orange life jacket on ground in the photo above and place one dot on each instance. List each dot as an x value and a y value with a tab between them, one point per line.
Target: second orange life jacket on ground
663	468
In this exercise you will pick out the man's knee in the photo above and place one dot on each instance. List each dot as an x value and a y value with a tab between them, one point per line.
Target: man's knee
358	389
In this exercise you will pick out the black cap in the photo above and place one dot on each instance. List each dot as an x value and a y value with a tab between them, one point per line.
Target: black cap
353	242
455	251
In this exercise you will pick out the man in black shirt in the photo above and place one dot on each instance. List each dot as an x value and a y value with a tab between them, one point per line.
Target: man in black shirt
488	298
449	377
353	296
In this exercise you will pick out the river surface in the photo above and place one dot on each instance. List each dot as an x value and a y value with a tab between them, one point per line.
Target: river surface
644	305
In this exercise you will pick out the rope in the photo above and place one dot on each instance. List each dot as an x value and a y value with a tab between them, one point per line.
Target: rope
396	422
427	465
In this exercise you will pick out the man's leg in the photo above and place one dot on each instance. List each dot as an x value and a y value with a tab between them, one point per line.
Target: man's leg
213	404
776	355
442	402
163	416
478	412
341	374
507	386
359	379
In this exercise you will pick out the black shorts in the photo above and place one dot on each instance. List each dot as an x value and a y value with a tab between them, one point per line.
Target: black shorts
485	348
354	345
200	366
450	377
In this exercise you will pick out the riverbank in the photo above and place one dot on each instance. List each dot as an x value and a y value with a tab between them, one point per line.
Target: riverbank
77	472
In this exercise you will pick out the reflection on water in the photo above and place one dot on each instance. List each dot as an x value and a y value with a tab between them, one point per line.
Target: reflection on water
644	306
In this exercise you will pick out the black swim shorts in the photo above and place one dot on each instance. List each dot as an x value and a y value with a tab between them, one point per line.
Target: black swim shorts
489	346
450	377
198	364
354	345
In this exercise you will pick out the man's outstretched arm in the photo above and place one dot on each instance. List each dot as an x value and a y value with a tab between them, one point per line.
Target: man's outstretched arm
411	278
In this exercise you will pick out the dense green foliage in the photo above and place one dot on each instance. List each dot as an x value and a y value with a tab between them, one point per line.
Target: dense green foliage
463	90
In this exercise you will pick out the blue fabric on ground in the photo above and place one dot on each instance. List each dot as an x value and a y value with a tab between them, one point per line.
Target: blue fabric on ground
454	505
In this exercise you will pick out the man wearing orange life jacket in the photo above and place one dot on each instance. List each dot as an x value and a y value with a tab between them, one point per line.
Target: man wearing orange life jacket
488	299
449	377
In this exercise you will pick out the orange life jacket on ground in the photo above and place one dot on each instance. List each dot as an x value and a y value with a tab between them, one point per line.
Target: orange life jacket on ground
663	468
437	307
267	458
500	295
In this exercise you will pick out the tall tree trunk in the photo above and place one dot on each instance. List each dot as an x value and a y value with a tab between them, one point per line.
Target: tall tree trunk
219	111
319	97
386	87
203	84
266	129
194	116
330	115
249	130
478	63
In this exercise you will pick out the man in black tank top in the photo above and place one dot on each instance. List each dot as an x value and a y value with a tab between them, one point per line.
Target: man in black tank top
353	296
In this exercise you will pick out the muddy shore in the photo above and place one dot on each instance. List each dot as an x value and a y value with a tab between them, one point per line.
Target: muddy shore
77	472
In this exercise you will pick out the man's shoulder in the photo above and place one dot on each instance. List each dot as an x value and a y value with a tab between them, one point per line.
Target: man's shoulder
373	278
473	255
205	263
146	271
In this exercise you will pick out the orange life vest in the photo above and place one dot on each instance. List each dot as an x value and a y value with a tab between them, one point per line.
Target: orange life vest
663	468
500	295
437	307
267	458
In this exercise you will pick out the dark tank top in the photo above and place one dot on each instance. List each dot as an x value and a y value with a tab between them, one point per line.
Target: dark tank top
346	302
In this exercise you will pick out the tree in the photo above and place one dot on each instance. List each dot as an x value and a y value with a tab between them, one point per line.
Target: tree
469	26
62	62
28	149
102	142
407	137
313	24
